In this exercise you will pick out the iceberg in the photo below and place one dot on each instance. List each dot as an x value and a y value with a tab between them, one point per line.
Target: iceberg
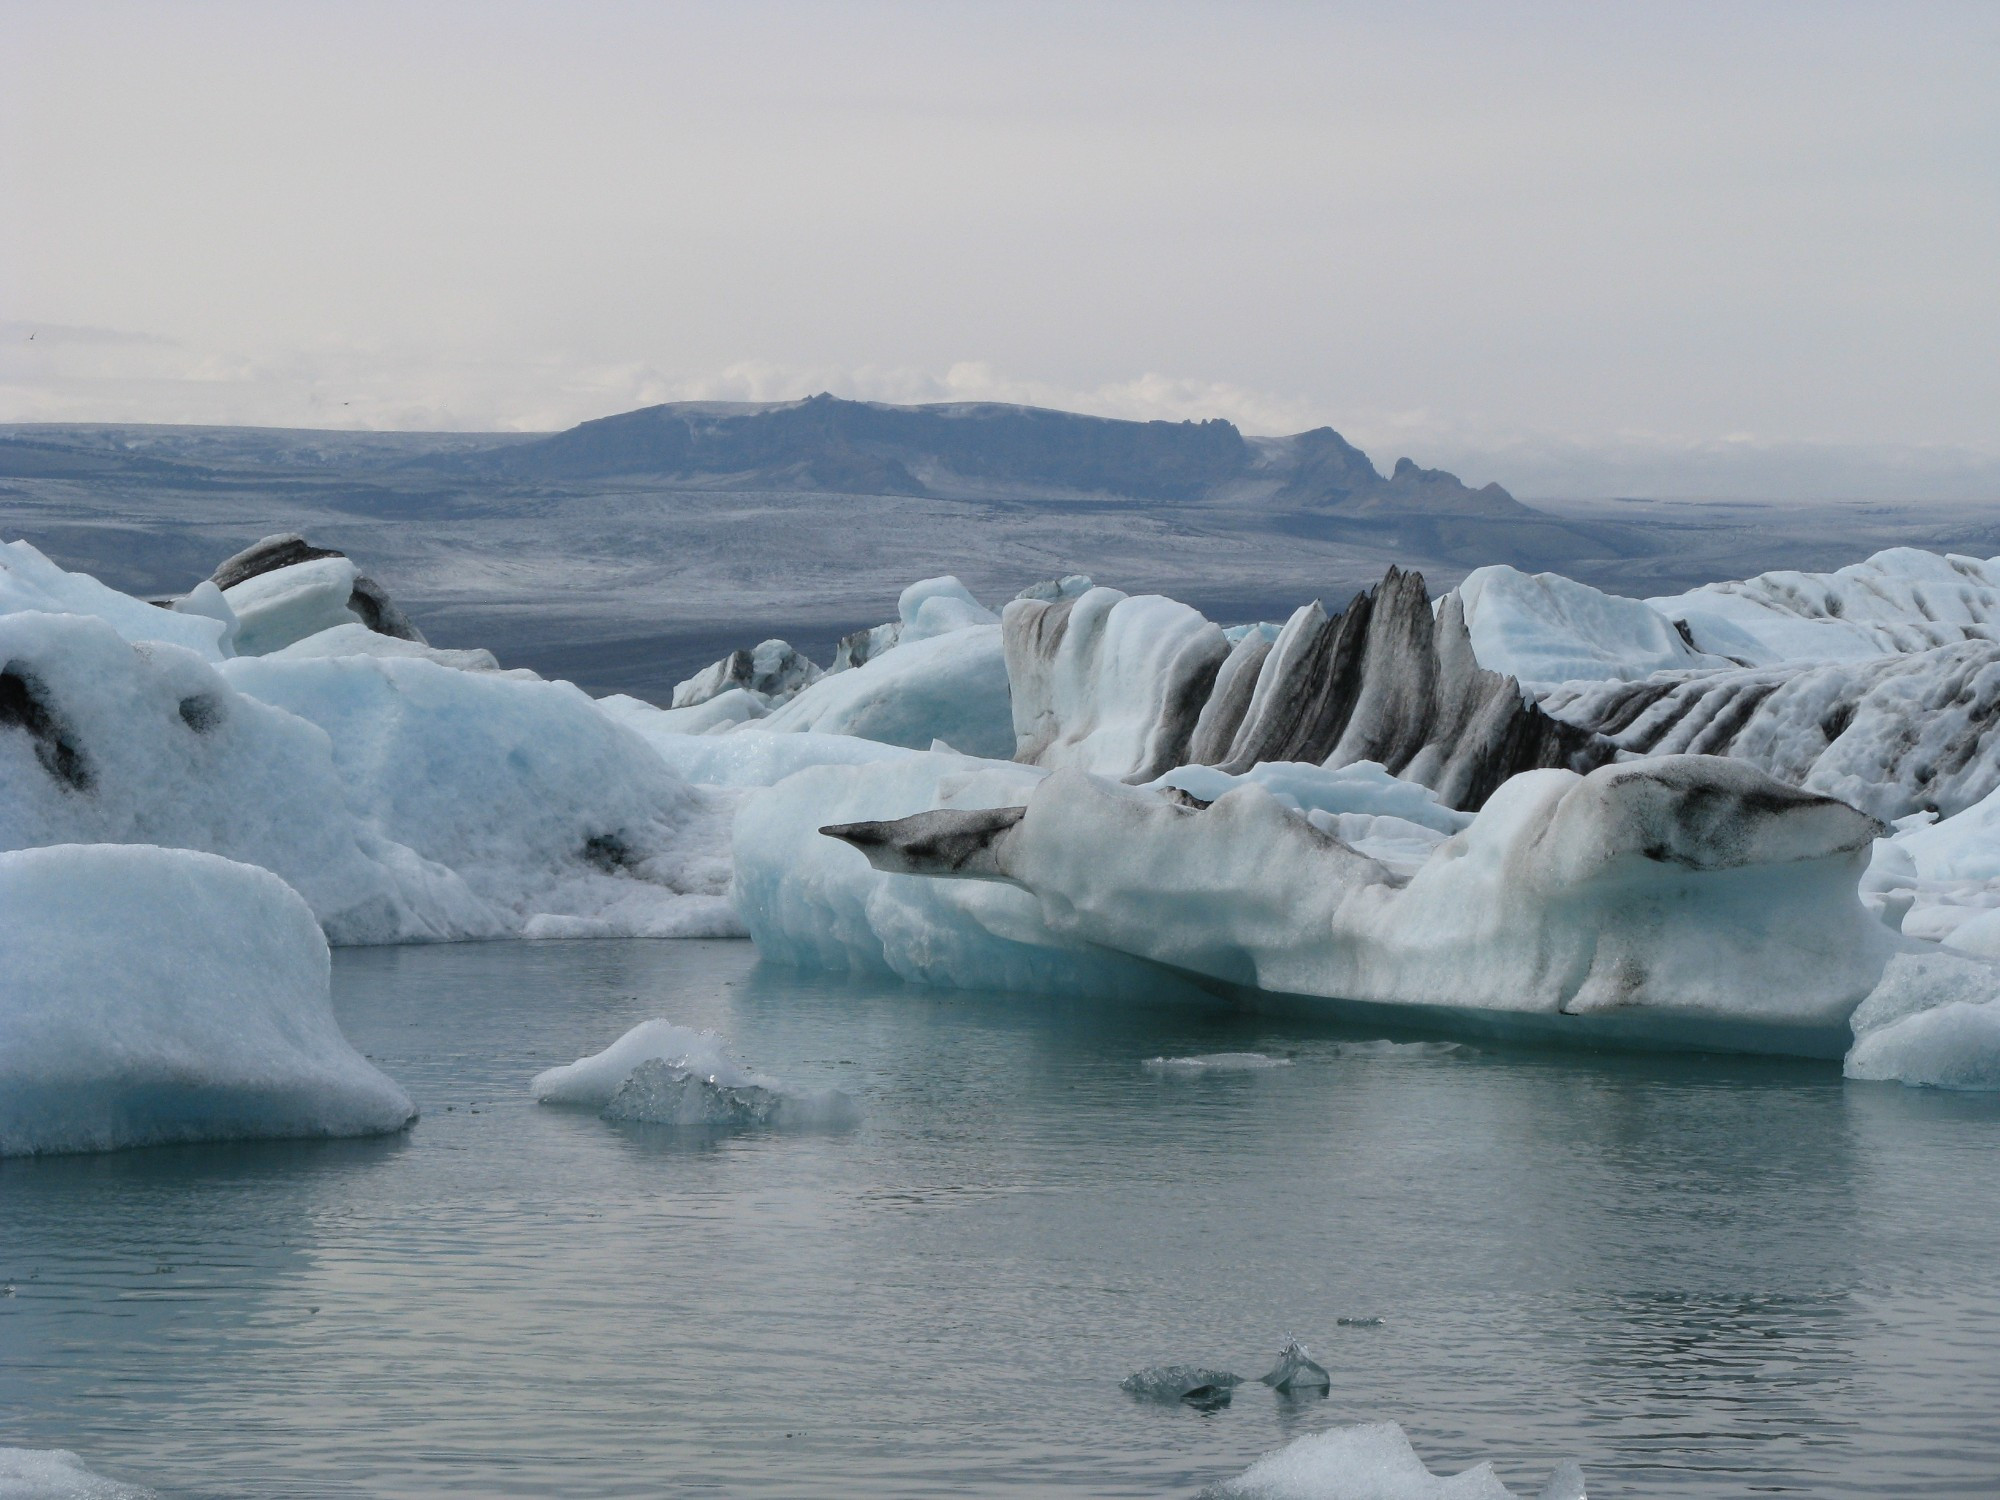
1892	734
1675	900
816	902
58	1474
358	640
769	673
660	1073
283	589
156	995
403	799
1374	1461
1106	682
950	687
30	583
1934	1020
1543	629
1296	1370
1135	687
1901	599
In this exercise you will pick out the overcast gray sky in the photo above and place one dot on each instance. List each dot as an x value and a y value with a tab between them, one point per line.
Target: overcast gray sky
1463	232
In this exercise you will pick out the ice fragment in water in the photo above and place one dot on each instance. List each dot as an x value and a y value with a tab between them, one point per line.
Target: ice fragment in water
1396	1049
661	1093
1297	1370
1214	1062
1190	1383
662	1074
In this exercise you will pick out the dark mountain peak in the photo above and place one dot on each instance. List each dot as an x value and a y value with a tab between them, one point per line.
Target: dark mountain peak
981	450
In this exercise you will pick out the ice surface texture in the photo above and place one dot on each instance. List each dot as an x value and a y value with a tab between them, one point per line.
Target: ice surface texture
1891	734
403	799
57	1474
660	1073
1374	1461
150	995
817	901
29	581
1902	599
1686	885
283	589
1132	688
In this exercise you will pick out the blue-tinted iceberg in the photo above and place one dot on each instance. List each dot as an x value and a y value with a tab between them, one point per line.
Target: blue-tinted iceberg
153	995
1681	898
404	799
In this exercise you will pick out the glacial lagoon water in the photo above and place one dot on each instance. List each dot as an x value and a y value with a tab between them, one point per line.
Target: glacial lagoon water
1699	1276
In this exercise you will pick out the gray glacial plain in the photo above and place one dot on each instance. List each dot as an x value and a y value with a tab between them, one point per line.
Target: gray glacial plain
628	552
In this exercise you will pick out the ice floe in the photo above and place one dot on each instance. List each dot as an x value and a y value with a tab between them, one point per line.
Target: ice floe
1208	1063
661	1073
159	995
1694	889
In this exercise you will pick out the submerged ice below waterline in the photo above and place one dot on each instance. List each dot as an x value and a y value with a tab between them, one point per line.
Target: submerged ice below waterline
1697	1276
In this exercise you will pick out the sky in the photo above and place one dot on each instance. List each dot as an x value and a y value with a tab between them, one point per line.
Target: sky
1524	239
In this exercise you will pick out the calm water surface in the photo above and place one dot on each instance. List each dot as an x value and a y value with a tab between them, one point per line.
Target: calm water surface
1698	1276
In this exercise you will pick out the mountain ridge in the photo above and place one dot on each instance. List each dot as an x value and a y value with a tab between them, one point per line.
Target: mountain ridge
971	450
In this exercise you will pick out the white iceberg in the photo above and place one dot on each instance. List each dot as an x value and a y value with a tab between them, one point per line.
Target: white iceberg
403	799
156	995
1893	734
660	1073
1542	629
815	902
1679	900
1934	1020
950	687
1109	683
1901	599
58	1474
358	640
1374	1461
30	582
